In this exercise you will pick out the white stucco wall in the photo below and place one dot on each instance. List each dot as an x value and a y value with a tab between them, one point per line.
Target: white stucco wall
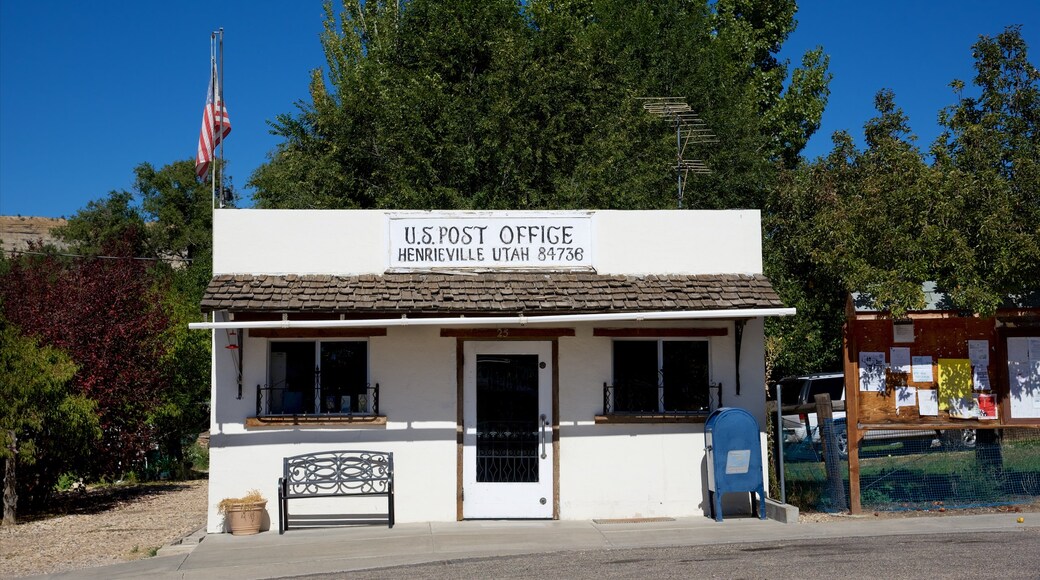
355	241
606	470
653	470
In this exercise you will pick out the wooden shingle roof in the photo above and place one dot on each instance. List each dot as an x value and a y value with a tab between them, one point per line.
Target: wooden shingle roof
489	293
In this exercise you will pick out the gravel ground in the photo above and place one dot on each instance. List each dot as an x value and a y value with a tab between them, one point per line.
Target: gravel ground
937	510
103	526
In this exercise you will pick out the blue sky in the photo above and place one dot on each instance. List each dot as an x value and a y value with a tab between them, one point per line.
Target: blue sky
914	47
88	90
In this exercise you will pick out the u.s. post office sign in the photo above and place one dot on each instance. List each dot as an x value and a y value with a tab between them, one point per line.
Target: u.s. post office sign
541	241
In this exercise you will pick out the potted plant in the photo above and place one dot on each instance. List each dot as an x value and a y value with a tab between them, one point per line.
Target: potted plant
243	515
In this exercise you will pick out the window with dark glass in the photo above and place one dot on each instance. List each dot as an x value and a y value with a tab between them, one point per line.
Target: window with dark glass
318	377
659	376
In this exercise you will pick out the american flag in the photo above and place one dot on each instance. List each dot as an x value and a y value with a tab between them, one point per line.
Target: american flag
215	126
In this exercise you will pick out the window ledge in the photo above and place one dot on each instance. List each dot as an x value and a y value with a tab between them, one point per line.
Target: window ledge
317	420
621	419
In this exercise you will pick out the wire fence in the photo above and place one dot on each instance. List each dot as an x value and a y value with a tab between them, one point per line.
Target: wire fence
922	470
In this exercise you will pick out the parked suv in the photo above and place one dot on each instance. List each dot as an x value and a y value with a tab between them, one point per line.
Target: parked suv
798	428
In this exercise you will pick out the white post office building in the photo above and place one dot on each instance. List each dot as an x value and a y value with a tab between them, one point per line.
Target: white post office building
518	365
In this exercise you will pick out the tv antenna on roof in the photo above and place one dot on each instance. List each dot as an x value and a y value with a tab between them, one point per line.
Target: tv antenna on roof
689	128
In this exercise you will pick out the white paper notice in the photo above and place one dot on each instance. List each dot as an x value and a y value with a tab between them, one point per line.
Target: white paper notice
980	378
1024	376
906	397
964	408
872	371
928	402
923	369
900	359
978	352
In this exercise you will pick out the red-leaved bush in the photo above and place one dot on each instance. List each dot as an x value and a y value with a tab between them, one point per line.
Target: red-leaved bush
106	313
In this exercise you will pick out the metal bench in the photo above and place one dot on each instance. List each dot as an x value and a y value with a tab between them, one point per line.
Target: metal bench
336	474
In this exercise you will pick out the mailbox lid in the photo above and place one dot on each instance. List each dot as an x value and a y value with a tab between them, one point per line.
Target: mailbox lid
731	418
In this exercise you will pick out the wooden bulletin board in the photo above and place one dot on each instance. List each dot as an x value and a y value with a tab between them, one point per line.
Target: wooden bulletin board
943	338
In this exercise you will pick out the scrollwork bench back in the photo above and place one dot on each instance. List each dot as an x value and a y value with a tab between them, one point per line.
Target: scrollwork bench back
336	474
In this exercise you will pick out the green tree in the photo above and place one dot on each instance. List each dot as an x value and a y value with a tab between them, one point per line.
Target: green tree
39	413
170	208
500	104
103	220
183	410
989	158
180	209
853	221
882	220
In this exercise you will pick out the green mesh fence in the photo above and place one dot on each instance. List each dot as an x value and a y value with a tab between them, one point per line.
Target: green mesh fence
920	470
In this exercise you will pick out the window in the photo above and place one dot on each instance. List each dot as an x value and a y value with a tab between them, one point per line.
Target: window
318	377
658	377
833	386
802	390
790	391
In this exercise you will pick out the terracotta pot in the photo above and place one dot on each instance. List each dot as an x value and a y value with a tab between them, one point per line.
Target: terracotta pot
245	519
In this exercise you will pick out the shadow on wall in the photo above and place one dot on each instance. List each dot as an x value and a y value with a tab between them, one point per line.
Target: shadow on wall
292	435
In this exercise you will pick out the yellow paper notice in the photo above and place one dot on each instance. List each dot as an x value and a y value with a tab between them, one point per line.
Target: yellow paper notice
955	386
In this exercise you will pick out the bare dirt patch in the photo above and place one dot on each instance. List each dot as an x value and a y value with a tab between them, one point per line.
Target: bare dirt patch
103	526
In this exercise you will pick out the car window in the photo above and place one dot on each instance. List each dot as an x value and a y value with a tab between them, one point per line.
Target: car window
833	386
790	390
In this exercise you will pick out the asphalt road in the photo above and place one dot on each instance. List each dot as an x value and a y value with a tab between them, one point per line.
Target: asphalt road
1003	555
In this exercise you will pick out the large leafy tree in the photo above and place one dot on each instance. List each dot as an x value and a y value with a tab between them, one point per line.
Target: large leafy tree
103	220
855	220
182	411
503	104
989	161
882	220
171	215
40	416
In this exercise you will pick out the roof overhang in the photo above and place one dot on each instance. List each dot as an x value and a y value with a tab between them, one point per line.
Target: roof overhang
519	319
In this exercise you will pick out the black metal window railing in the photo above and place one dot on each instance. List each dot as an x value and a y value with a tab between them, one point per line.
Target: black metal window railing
273	401
645	399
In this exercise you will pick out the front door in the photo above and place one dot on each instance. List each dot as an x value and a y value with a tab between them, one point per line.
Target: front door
507	443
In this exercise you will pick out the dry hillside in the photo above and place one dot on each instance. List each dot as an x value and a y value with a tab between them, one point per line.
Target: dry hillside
17	231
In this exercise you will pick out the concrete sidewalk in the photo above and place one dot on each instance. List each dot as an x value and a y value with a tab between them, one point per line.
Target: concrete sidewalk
330	550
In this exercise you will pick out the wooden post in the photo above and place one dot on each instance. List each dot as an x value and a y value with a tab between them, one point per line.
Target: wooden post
832	462
851	369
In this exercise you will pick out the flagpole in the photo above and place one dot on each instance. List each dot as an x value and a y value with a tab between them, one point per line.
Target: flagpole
220	200
213	97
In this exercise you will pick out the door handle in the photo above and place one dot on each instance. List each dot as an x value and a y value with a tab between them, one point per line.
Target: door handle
542	422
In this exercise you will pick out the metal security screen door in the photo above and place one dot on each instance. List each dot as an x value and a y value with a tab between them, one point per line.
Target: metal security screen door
507	443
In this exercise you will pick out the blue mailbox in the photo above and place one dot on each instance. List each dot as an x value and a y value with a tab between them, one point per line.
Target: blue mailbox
734	449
